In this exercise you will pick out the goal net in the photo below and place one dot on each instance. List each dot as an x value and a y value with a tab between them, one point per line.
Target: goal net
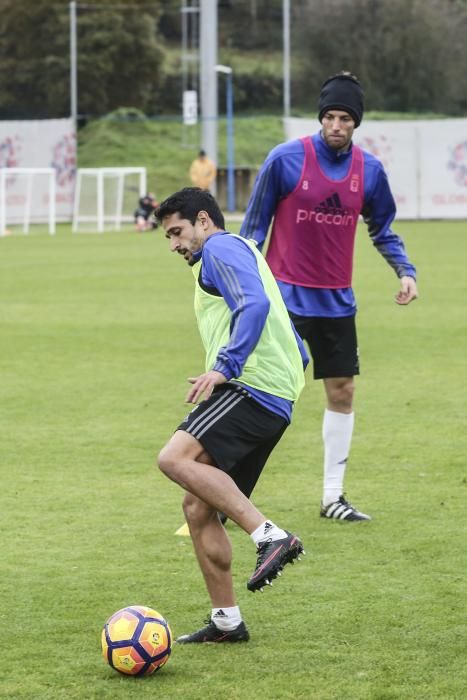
27	195
106	197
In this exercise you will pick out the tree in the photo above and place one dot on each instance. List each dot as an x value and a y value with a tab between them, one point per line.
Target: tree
119	59
409	54
406	52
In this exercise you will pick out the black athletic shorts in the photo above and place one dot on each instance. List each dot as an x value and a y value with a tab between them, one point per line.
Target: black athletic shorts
237	432
332	343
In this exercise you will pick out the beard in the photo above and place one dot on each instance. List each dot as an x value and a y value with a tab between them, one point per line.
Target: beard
187	255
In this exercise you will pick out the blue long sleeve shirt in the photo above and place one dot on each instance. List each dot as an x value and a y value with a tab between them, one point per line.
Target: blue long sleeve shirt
279	176
229	268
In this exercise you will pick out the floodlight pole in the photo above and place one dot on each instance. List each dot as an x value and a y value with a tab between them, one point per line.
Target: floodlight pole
286	54
73	65
230	137
208	58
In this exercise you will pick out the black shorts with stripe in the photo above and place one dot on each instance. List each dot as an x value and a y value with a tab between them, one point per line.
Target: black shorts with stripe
238	433
333	344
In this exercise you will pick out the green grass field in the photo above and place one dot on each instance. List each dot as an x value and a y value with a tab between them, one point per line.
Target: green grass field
166	148
97	339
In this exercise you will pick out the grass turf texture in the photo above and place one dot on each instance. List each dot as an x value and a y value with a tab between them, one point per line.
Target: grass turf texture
166	148
98	337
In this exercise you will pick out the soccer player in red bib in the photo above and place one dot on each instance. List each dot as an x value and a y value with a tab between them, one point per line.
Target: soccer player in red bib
313	190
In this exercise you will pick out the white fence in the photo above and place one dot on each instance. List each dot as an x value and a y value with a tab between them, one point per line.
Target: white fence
426	162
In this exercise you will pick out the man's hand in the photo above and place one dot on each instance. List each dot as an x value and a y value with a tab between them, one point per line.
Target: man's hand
204	384
407	292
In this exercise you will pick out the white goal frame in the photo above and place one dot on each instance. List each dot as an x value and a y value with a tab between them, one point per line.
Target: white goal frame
101	175
30	173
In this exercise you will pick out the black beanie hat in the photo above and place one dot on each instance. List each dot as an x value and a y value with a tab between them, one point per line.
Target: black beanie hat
343	92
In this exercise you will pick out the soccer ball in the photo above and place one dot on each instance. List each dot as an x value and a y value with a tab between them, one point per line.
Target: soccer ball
136	640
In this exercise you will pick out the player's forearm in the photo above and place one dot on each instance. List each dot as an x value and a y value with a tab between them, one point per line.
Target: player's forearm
379	214
391	247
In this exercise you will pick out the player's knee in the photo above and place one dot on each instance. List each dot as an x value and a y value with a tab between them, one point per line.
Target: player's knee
347	393
341	393
196	512
166	461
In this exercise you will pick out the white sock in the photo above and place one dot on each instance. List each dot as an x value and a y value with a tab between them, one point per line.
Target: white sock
337	436
267	531
226	618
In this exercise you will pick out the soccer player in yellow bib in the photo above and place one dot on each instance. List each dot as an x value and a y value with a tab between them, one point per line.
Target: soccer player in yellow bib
254	372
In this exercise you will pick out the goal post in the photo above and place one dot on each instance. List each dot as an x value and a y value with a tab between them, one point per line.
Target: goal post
106	197
25	194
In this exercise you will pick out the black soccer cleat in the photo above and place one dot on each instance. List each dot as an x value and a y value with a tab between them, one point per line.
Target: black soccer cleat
272	557
342	510
212	634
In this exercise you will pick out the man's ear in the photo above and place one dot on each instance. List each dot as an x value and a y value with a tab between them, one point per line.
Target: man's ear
203	218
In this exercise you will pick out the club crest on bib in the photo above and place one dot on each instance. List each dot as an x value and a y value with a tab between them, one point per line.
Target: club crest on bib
355	182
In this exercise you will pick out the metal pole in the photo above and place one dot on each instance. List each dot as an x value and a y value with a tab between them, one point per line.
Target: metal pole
190	71
286	57
230	147
227	71
208	81
184	11
73	65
